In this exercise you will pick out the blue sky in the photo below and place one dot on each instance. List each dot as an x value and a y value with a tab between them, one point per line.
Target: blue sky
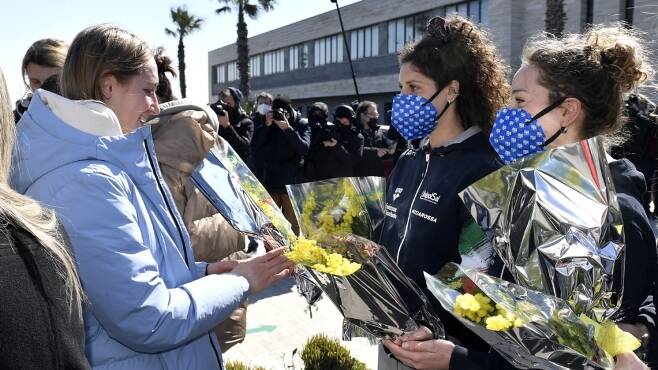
63	19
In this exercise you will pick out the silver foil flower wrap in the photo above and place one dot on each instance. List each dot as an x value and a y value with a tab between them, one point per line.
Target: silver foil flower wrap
555	222
551	335
378	299
228	184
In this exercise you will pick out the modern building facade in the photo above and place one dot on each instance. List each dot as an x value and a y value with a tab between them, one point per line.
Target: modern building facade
308	60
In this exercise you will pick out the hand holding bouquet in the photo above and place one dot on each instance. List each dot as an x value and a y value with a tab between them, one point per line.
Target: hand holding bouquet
528	328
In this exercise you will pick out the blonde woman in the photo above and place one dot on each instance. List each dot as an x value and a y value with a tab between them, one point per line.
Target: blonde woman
40	313
89	156
43	59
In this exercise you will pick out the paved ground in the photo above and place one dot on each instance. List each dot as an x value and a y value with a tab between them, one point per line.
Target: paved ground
278	323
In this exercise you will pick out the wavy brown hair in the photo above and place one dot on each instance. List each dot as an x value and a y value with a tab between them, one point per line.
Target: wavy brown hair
453	48
597	68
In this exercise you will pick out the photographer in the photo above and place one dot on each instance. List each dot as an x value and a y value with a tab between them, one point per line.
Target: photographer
234	124
283	141
263	107
339	148
377	147
318	114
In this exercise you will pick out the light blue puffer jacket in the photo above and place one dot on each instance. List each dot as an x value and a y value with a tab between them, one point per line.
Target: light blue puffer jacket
151	307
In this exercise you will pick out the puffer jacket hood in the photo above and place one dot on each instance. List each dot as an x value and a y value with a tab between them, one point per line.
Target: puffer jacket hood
184	146
151	307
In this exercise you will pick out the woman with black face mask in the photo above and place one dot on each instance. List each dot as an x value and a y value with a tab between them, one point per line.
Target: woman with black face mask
451	85
378	149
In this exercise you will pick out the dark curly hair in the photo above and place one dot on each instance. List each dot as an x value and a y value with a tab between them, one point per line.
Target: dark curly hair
596	68
164	91
453	48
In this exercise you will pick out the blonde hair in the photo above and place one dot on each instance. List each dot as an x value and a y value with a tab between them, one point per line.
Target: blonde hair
24	212
44	52
596	67
96	52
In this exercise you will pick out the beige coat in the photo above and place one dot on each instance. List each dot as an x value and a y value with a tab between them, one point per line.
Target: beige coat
182	141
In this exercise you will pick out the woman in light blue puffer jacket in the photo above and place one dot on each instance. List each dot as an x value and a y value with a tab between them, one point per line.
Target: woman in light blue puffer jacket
88	157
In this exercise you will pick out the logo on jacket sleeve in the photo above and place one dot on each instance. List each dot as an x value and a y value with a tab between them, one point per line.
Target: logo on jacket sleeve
396	193
430	197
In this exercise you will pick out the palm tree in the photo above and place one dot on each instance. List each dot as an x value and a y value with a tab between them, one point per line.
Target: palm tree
252	10
555	17
185	23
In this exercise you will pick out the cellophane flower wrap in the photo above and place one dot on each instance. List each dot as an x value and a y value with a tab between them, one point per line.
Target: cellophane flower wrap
230	186
528	328
555	222
234	190
337	217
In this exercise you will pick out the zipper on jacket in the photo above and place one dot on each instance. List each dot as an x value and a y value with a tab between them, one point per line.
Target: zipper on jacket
164	196
214	349
182	239
406	227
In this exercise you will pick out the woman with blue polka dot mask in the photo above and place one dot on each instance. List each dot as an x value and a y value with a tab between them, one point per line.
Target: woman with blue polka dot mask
451	84
568	90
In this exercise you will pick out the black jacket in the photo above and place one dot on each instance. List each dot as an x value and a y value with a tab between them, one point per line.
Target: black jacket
256	161
339	160
282	153
239	133
639	277
37	330
371	164
424	214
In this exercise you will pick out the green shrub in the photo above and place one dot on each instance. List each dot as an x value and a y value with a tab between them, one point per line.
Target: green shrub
237	365
323	353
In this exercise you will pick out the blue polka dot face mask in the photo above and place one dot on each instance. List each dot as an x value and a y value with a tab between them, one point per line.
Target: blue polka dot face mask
516	134
414	116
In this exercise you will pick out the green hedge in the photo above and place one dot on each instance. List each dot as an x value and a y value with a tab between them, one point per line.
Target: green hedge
237	365
323	353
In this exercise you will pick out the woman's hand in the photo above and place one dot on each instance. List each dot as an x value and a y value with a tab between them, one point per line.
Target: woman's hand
264	270
418	350
221	267
629	361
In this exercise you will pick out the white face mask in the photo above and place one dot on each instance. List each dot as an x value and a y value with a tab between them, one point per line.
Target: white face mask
263	108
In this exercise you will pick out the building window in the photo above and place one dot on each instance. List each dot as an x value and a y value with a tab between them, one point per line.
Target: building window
232	71
254	66
328	50
220	74
364	42
273	62
403	30
298	57
411	28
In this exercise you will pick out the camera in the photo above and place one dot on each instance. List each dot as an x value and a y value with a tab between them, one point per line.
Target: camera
220	108
279	114
328	133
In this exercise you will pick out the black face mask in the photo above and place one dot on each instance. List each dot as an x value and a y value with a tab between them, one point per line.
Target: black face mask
314	119
372	122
